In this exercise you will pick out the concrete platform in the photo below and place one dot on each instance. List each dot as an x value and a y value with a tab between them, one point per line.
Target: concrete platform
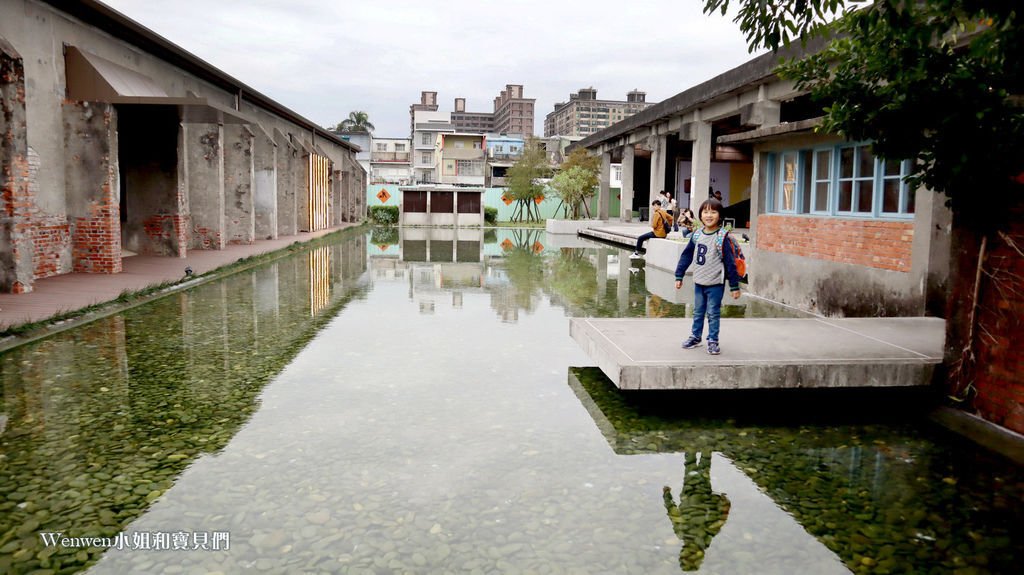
662	253
765	353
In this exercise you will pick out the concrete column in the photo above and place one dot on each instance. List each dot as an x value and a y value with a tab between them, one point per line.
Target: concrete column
16	203
346	193
626	203
286	206
91	176
604	192
930	264
239	178
302	184
700	167
659	150
265	186
357	207
337	198
204	152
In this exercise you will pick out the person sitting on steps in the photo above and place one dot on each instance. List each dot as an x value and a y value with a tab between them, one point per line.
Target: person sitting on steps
659	219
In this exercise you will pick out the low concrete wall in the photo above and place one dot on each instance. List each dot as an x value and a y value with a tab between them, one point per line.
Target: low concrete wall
568	226
664	253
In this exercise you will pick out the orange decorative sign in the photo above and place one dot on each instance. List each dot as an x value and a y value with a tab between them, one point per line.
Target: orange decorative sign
538	247
538	199
383	196
507	244
507	200
383	247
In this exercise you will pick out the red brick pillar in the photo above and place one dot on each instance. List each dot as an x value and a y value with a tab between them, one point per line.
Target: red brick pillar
16	202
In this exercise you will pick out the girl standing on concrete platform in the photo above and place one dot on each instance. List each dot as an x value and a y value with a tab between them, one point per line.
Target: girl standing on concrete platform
712	266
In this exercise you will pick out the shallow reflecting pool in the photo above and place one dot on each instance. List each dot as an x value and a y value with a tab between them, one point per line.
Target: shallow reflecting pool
405	403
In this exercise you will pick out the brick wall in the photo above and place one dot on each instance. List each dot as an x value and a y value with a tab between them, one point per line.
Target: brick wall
97	240
885	245
999	371
51	237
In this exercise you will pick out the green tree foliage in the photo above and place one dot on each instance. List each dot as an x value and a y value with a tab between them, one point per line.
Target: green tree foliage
575	187
357	121
583	158
939	82
523	181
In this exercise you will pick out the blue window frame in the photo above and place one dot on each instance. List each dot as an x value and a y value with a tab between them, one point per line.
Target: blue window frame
841	180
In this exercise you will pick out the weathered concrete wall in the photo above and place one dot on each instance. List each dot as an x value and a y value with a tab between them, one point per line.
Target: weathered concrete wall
286	198
834	288
204	153
239	206
16	204
264	186
91	173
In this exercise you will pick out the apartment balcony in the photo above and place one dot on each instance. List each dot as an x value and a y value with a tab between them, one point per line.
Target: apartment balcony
498	182
463	180
402	157
462	154
506	156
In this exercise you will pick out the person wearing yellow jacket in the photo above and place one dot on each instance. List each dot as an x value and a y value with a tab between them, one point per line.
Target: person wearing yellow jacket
660	224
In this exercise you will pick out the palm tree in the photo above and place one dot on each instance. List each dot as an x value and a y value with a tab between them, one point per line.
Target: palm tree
357	121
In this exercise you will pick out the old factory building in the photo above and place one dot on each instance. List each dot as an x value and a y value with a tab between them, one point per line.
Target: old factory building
114	141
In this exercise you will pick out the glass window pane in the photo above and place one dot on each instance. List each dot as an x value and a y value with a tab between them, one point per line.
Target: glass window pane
865	196
789	168
892	167
788	196
806	178
824	165
911	197
845	196
867	162
891	196
846	163
821	196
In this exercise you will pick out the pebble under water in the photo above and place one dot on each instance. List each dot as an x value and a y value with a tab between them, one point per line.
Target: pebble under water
411	402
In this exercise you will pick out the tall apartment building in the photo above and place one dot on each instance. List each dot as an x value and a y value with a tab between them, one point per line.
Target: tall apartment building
512	114
471	121
428	103
426	143
584	114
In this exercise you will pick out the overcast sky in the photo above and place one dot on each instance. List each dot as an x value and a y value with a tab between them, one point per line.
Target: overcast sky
324	59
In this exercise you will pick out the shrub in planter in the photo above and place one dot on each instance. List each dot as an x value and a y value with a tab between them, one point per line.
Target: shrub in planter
384	215
490	215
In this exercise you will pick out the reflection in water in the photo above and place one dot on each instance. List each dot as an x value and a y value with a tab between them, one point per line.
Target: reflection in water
885	498
700	513
319	279
330	444
103	418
